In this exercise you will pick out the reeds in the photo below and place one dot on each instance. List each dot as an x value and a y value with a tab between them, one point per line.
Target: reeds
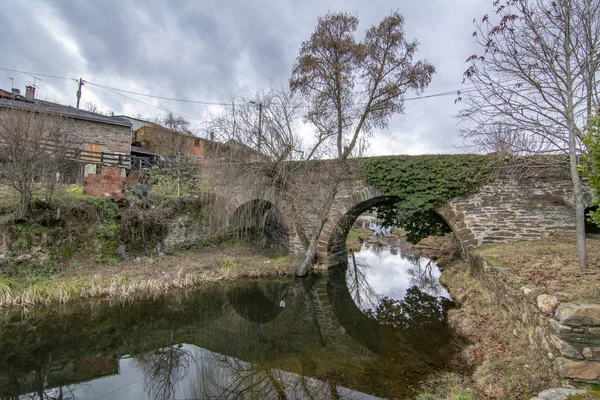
15	293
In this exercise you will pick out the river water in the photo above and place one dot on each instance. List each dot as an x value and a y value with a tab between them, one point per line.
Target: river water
373	328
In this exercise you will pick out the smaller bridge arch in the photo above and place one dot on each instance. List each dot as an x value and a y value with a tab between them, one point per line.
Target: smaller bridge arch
258	215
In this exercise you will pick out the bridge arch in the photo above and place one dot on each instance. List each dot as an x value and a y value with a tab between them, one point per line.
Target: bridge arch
332	240
260	216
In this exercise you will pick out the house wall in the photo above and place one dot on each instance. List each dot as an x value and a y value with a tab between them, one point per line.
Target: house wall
112	138
165	141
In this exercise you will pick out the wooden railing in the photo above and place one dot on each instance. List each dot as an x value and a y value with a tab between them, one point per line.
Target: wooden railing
86	156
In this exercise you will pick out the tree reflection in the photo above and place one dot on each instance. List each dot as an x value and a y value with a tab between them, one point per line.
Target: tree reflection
417	309
422	303
361	290
42	386
163	369
225	377
423	278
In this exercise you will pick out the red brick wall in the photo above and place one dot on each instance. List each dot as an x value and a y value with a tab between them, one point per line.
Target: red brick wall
108	183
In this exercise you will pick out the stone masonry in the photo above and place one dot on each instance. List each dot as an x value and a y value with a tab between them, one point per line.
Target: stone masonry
521	204
566	333
513	208
111	137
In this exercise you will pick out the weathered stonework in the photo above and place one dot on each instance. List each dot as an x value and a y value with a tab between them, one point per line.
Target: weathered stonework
512	208
569	335
523	204
112	138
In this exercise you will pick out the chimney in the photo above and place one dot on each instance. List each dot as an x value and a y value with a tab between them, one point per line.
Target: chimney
30	92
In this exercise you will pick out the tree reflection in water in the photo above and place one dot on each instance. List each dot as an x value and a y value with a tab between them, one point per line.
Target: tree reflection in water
225	377
163	369
361	290
423	303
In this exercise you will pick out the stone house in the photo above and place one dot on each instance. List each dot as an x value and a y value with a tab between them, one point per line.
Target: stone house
87	131
150	141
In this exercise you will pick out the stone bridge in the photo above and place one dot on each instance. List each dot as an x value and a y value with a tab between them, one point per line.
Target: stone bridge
522	203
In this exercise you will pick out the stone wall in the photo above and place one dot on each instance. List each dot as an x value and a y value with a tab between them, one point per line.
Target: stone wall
513	208
567	334
110	182
522	203
111	138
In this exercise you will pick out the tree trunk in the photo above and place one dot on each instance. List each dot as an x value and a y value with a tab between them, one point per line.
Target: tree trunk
314	241
573	164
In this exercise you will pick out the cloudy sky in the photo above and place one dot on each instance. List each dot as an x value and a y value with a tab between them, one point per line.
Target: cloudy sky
205	49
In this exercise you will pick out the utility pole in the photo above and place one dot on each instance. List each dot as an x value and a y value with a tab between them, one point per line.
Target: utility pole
79	91
259	127
259	139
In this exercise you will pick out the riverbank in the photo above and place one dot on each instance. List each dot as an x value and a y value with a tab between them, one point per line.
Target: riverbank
504	362
147	275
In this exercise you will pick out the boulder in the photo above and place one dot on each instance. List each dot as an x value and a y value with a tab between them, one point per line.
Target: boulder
575	369
578	314
547	303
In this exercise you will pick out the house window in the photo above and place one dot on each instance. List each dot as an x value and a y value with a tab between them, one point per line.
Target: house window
196	142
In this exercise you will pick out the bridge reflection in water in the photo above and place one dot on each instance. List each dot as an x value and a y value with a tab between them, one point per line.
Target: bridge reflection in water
336	337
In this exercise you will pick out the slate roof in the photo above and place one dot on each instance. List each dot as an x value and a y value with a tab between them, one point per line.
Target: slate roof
7	99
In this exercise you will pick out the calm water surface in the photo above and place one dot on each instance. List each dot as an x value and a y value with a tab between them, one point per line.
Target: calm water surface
374	328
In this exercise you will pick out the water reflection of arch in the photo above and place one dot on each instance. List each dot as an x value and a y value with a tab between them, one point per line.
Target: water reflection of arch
406	344
260	216
255	302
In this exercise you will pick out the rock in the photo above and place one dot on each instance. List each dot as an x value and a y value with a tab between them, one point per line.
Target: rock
558	394
547	303
594	331
23	257
526	290
565	348
584	370
529	293
120	252
591	353
558	328
578	314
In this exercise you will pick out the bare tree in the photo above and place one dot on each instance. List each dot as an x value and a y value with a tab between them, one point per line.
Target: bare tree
266	121
353	87
537	79
174	142
33	150
92	107
174	122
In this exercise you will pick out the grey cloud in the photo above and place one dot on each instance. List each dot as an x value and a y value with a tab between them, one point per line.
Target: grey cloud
200	49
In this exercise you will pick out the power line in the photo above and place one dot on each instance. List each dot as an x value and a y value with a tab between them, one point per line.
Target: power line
149	105
119	92
160	97
36	74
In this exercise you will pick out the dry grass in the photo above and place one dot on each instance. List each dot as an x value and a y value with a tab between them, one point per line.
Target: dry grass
505	366
551	265
147	276
442	249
